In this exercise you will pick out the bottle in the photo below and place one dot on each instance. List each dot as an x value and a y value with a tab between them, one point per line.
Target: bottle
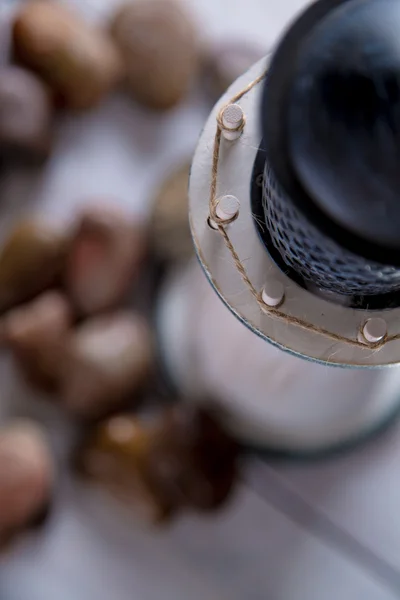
307	258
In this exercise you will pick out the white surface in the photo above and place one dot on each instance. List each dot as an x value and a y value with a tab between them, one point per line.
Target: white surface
253	551
359	492
250	552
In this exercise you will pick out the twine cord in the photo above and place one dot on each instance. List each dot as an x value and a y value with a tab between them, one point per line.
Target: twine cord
221	224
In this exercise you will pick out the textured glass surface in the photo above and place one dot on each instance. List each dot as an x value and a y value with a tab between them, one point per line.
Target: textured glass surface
314	256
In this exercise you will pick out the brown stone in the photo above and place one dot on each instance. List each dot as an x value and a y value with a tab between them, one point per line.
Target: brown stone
26	475
107	360
78	61
37	333
104	259
171	239
26	116
158	41
31	261
177	458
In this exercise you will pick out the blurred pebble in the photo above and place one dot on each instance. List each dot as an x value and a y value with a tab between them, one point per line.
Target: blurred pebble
78	61
180	458
107	359
26	476
225	61
5	38
25	116
158	40
170	232
114	456
193	460
31	261
37	335
104	260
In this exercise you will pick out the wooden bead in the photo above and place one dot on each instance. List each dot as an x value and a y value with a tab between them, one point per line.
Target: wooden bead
107	359
78	61
159	44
